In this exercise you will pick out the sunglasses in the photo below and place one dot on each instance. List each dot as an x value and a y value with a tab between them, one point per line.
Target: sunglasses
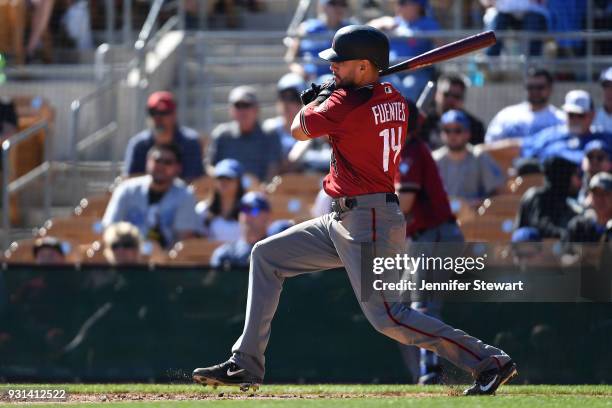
576	115
123	245
165	162
243	105
453	95
535	87
153	112
599	157
451	130
337	4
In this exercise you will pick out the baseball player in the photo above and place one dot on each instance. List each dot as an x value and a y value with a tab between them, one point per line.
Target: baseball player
366	122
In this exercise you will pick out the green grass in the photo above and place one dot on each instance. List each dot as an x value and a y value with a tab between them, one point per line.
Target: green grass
324	396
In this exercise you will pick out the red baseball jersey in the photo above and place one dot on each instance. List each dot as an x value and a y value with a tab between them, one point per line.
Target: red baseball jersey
418	173
367	128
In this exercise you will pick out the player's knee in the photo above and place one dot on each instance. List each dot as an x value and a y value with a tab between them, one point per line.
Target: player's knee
261	250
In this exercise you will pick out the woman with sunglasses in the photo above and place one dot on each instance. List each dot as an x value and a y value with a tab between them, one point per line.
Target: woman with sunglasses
219	214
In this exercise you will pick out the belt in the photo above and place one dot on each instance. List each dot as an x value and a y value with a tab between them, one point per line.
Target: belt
343	204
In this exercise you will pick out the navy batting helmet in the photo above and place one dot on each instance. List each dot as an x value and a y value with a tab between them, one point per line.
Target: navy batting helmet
359	42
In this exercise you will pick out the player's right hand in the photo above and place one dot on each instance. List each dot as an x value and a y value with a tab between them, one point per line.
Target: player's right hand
320	92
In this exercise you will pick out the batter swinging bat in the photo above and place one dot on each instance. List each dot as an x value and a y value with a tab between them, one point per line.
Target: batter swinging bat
445	52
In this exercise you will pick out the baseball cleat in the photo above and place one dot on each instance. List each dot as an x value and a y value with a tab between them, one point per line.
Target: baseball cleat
228	373
489	381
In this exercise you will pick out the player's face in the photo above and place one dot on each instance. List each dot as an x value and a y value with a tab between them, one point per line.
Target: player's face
345	73
455	136
163	166
245	114
538	90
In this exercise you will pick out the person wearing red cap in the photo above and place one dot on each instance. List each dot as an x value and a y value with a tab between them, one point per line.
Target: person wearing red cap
163	129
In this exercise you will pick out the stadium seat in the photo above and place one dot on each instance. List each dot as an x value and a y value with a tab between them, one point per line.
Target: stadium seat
20	252
93	206
202	187
82	230
503	152
291	207
504	205
296	184
523	183
487	229
193	251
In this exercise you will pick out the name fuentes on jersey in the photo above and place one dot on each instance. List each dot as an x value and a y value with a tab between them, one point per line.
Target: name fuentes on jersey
389	112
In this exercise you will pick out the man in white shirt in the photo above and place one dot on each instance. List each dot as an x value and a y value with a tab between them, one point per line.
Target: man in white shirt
529	117
603	116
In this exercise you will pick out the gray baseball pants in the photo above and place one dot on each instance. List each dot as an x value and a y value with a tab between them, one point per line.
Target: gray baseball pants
336	240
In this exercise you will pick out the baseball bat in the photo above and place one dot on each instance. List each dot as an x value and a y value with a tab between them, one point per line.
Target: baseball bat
444	53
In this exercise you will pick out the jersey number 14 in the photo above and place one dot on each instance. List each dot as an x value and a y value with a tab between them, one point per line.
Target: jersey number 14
391	142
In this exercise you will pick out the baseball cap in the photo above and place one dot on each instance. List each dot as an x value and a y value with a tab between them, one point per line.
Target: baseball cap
578	101
455	116
596	145
254	202
606	75
230	168
526	234
161	101
244	93
601	180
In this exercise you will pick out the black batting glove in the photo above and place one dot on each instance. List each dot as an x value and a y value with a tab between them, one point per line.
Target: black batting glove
327	89
310	94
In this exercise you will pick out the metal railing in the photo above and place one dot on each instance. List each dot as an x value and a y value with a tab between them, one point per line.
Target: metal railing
11	187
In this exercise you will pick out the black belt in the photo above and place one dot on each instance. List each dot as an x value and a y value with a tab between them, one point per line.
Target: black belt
343	204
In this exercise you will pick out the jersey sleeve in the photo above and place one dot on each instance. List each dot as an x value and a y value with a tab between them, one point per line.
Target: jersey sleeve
320	120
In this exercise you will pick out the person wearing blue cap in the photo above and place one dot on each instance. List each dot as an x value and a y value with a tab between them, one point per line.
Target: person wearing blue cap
410	16
315	35
288	104
603	116
597	158
467	172
219	215
254	218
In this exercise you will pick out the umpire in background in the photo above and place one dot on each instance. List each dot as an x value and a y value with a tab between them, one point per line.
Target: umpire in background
432	231
162	130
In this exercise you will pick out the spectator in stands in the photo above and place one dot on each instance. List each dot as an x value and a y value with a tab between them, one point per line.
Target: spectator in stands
288	104
466	172
450	94
243	138
426	207
314	36
597	158
122	244
591	226
77	24
410	17
313	154
279	226
254	220
219	215
48	251
567	15
527	15
547	208
603	116
163	129
528	117
527	247
568	140
159	203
